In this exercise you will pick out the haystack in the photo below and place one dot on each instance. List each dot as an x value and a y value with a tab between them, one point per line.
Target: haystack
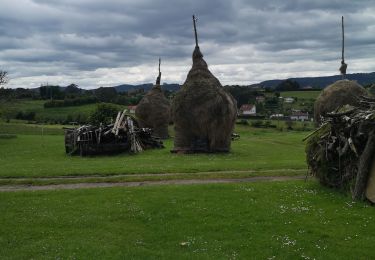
203	112
341	153
153	111
340	93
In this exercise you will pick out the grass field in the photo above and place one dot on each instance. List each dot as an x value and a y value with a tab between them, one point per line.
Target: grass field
37	155
279	220
260	220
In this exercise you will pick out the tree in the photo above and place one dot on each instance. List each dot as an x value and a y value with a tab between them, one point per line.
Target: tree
3	77
103	114
288	85
108	94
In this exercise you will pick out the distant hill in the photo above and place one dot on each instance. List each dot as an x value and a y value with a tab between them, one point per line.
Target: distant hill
322	82
146	87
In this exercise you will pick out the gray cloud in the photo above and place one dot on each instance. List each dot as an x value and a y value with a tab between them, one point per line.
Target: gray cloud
101	43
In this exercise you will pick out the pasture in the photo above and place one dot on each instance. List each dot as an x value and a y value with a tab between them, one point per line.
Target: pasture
273	220
259	220
37	155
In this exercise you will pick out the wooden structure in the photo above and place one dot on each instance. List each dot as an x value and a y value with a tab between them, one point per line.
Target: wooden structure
122	136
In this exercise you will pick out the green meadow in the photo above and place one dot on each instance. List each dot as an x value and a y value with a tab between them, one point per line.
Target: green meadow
273	220
43	155
293	219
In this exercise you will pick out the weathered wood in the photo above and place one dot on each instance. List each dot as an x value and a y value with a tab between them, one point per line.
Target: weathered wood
343	38
195	31
364	166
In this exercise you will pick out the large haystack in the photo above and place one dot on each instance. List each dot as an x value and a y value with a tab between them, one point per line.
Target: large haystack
153	111
342	92
203	112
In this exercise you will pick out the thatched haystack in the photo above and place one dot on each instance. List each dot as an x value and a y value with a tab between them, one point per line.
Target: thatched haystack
203	112
340	93
153	111
341	153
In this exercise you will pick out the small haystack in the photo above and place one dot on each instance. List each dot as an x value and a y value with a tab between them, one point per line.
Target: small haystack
342	92
203	112
153	111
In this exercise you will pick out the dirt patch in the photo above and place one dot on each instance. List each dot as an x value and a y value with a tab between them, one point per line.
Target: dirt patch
9	188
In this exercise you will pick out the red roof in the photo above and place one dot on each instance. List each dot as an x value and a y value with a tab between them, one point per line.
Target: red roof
246	107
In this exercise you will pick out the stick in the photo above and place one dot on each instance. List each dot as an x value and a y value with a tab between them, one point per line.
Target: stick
316	130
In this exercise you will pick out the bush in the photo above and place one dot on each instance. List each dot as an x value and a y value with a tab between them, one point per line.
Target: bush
30	115
243	122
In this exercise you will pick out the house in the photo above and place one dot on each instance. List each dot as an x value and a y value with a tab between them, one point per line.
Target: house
277	116
131	109
299	116
248	109
288	100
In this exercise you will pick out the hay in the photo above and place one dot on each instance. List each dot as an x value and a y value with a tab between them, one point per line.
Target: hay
203	112
342	92
341	153
153	111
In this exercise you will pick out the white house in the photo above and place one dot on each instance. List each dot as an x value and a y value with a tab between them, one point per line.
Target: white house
248	109
299	116
288	100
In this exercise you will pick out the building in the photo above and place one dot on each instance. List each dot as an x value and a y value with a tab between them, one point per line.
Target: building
277	116
288	100
299	116
131	109
247	109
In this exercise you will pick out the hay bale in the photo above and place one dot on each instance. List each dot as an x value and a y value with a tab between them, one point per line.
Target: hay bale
340	93
153	111
203	112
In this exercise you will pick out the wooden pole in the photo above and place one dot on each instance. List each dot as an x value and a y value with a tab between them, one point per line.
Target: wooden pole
195	31
364	167
159	65
343	38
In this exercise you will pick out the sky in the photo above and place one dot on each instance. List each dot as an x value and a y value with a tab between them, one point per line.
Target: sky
95	43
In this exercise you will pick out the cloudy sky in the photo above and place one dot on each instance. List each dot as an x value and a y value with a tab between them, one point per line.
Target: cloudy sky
103	43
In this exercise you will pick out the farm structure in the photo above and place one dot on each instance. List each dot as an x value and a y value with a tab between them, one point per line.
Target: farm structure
122	136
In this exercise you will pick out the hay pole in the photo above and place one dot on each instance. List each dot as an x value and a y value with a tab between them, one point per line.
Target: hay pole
159	65
159	75
195	30
343	66
343	39
364	167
